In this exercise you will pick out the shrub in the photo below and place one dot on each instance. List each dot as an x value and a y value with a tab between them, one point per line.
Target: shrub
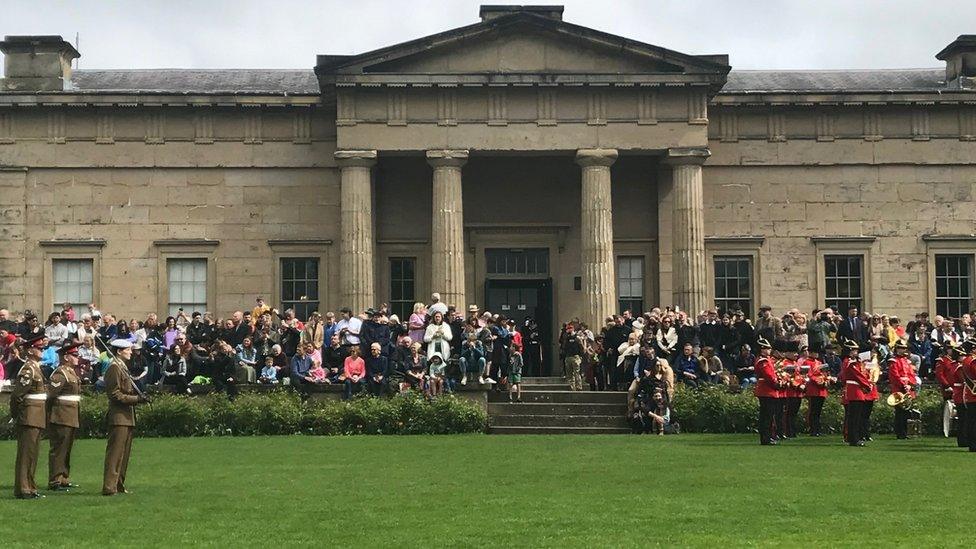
281	413
715	410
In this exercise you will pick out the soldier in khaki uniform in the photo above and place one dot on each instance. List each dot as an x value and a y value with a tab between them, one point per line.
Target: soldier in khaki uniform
27	408
123	396
64	401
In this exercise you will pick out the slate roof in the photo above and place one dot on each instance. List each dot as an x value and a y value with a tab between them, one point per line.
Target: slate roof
197	81
303	82
894	80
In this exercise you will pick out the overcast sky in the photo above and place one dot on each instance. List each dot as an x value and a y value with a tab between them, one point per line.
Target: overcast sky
771	34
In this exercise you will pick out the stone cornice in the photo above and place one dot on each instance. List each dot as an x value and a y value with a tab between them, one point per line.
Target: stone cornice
186	242
146	99
842	239
751	240
523	79
280	242
949	237
839	99
72	243
677	156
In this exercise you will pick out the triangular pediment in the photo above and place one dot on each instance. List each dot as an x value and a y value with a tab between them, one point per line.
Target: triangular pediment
522	43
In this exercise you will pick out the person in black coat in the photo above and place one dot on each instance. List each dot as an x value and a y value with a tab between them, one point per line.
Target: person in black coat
375	329
852	328
377	371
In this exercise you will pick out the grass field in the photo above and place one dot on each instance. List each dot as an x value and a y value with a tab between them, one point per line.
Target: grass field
478	490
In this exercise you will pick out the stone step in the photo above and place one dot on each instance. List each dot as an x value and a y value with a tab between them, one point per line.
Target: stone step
547	409
544	387
616	421
568	397
552	380
522	430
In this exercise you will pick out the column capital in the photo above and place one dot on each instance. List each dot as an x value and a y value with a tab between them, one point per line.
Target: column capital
687	155
447	158
596	157
362	159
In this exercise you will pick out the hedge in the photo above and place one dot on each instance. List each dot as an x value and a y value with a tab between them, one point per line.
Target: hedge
715	410
283	413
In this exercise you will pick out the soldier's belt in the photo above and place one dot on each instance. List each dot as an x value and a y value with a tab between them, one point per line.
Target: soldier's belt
851	382
70	398
957	384
36	396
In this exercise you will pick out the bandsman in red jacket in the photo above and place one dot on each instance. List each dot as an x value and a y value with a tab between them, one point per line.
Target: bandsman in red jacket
968	377
850	350
901	379
793	386
767	390
945	367
857	392
956	378
817	381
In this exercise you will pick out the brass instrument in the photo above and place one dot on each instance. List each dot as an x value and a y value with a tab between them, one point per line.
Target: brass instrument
900	400
874	372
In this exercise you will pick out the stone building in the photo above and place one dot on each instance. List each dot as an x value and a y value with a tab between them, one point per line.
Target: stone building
523	163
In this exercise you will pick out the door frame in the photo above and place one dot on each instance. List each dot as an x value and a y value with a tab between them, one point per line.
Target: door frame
544	286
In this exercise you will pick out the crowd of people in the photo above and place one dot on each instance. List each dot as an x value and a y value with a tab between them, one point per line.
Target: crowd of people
785	359
436	350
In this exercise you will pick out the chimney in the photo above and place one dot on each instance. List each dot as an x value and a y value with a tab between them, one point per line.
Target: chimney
494	11
36	63
960	58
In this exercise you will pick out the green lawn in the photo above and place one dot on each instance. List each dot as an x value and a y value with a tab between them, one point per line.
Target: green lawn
477	490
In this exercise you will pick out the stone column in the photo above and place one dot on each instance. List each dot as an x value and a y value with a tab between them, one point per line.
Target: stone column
356	229
689	284
599	283
447	226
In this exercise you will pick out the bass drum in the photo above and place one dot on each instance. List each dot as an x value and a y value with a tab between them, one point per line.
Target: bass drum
948	418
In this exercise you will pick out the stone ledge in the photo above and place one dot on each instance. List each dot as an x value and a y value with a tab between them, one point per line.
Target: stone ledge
72	243
835	239
949	237
186	242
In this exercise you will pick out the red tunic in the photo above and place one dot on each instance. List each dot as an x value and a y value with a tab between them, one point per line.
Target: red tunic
794	380
814	388
957	380
857	384
901	376
944	372
766	383
969	388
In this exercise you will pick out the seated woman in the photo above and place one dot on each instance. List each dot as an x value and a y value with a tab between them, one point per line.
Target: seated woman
414	377
247	360
175	369
353	373
269	374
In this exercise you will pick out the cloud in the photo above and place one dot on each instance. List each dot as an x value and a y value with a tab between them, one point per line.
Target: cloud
289	33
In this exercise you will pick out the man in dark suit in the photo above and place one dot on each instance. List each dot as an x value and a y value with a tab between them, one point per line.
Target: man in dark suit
853	328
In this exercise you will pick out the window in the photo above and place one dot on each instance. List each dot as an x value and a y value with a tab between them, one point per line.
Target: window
844	282
952	285
519	261
73	280
630	284
300	285
403	278
187	285
733	283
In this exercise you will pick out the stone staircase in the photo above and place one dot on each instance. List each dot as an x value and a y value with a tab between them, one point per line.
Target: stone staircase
549	407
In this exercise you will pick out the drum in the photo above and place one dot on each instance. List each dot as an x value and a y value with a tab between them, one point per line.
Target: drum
948	418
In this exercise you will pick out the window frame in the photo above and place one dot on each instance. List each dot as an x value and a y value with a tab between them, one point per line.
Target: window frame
312	248
291	304
405	314
961	245
751	277
859	301
206	283
70	249
967	259
643	284
846	245
185	249
742	246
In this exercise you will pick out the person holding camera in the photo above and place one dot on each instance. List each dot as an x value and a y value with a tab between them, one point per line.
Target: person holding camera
573	348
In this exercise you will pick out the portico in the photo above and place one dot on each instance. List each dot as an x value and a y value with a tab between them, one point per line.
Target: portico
523	84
